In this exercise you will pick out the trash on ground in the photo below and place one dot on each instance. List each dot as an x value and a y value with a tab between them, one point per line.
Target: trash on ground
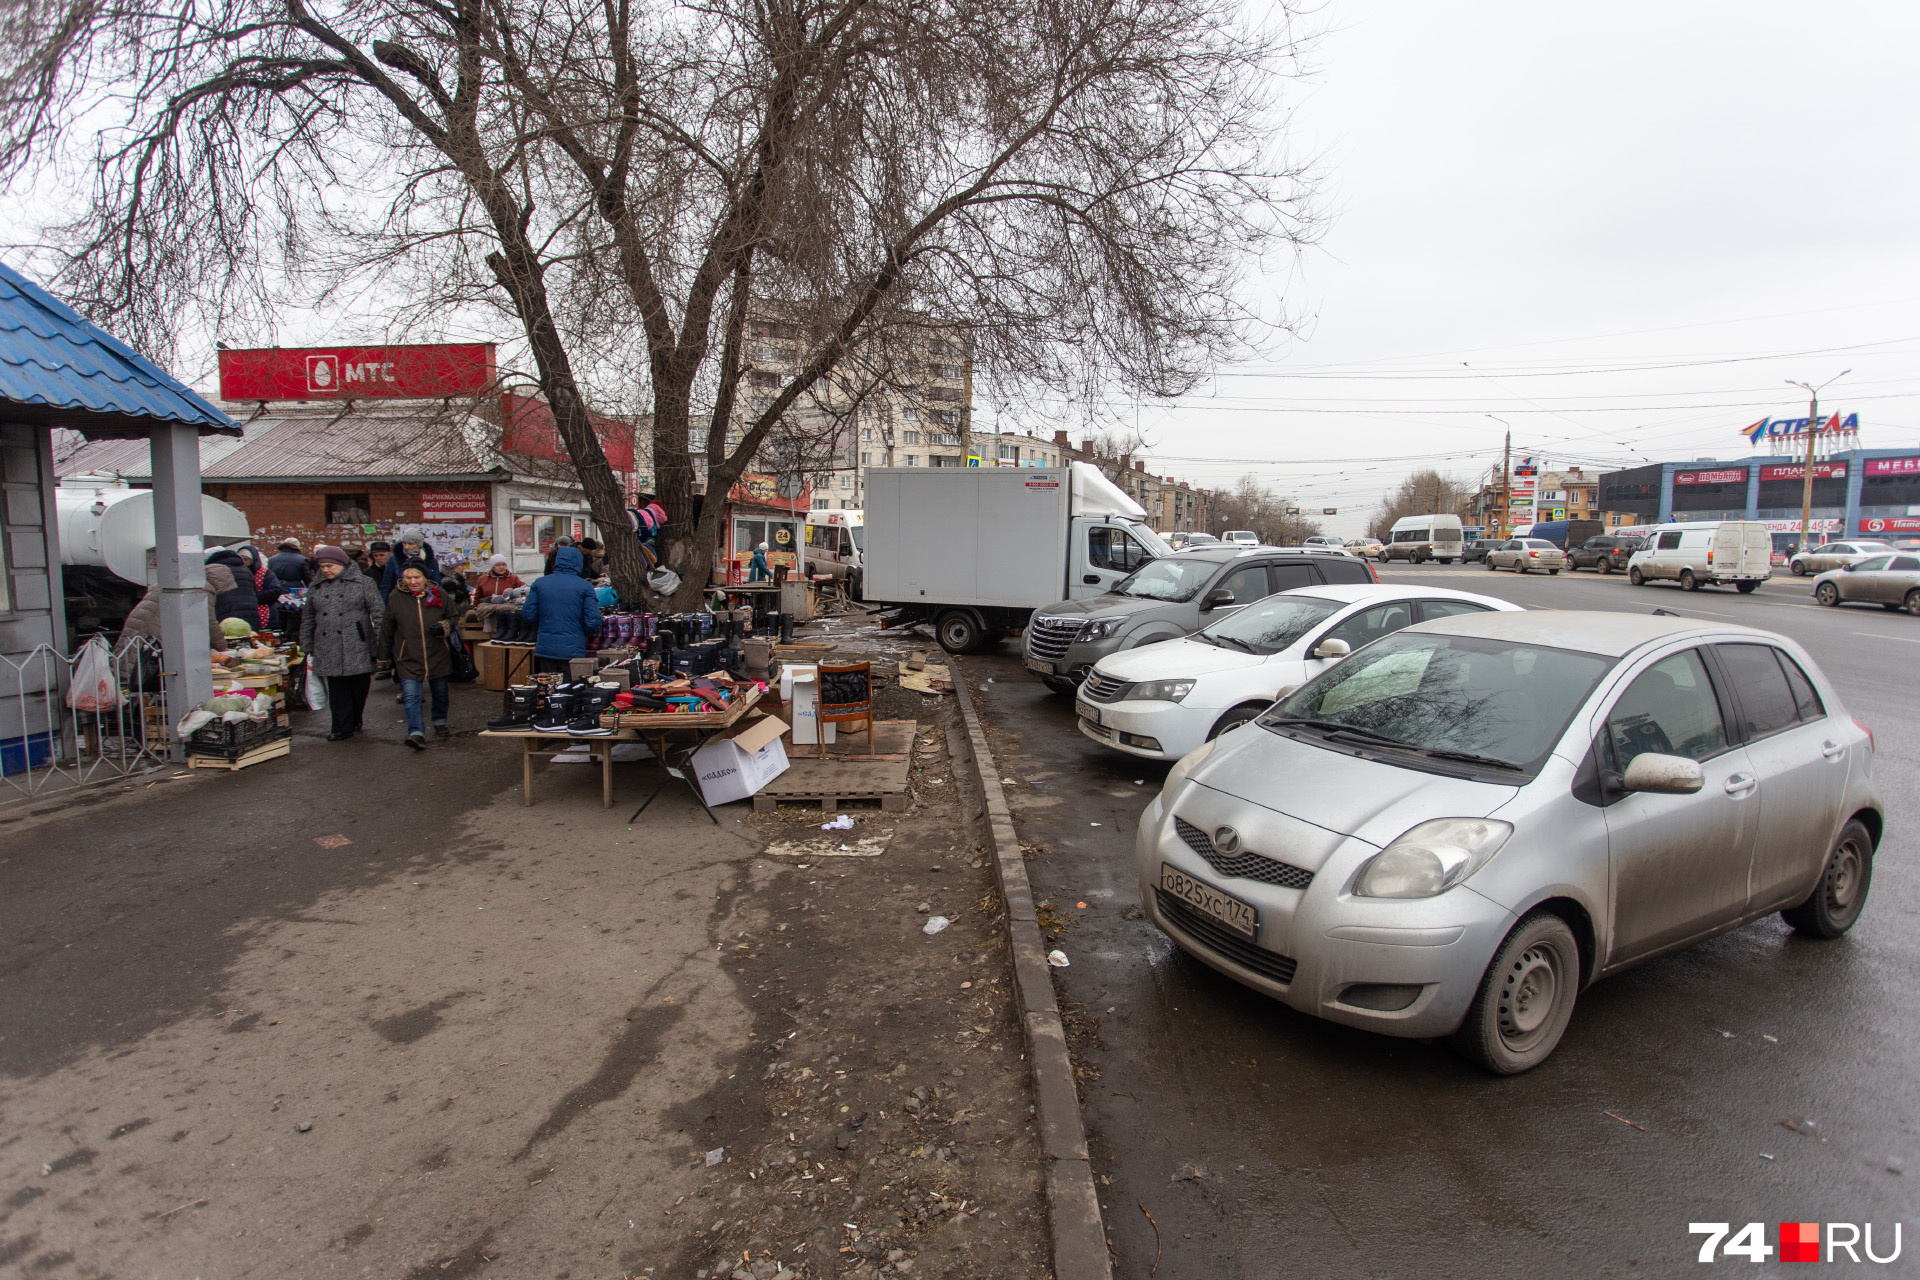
715	1156
1058	959
934	925
331	842
842	823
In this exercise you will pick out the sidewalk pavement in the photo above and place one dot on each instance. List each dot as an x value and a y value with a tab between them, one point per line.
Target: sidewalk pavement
360	1011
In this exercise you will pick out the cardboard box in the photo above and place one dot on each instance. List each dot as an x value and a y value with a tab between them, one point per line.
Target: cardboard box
582	668
735	768
800	690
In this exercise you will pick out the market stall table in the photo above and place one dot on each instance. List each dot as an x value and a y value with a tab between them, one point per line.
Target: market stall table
531	740
660	729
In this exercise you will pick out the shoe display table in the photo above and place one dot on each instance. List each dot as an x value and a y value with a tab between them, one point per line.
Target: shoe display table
535	743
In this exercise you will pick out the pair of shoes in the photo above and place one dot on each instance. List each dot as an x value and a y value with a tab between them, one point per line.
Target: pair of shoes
440	730
339	737
523	703
418	741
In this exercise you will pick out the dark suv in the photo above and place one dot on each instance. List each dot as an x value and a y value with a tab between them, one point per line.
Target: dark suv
1477	548
1169	598
1607	553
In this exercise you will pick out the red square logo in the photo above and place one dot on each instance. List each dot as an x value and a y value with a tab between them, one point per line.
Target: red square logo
1799	1242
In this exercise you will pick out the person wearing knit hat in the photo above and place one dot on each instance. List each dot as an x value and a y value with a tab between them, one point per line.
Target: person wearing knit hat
378	554
338	630
497	580
332	555
410	548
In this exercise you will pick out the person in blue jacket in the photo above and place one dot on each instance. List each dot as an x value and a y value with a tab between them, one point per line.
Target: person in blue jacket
563	611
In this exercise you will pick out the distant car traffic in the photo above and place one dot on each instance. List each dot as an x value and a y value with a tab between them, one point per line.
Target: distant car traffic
1607	553
1459	827
1523	555
1892	582
1365	548
1242	537
1182	541
1166	699
1832	555
1477	549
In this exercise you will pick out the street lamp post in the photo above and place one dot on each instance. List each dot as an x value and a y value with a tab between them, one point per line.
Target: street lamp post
1813	431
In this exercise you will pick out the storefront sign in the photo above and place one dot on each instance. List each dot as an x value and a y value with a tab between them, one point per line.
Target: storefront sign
1735	476
430	371
443	505
1893	466
764	491
1779	428
1890	524
1798	471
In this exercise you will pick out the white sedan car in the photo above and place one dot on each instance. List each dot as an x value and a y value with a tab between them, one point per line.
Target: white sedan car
1163	700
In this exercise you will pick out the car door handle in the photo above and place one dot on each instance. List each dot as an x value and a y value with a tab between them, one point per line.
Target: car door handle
1740	783
1832	750
1090	578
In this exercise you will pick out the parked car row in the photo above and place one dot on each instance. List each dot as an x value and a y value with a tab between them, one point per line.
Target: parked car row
1890	581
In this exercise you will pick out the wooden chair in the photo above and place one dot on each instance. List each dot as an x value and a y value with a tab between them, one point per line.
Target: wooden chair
846	696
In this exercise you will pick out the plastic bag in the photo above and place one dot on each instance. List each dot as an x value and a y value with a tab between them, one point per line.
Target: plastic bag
663	581
193	720
316	690
95	687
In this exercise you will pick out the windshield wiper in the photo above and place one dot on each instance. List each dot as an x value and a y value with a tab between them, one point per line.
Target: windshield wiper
1468	757
1335	726
1235	641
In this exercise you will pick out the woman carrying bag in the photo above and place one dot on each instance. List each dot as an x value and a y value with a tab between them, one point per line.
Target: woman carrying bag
338	630
413	638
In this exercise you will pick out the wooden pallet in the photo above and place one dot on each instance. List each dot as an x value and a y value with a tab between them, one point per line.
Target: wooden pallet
830	783
895	742
265	751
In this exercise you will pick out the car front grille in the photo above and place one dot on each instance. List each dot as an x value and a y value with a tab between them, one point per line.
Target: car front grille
1049	638
1247	866
1216	937
1099	688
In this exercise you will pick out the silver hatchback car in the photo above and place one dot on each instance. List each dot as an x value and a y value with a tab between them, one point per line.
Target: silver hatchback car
1459	827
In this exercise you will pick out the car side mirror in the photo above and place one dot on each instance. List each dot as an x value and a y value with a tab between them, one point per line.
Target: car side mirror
1664	775
1286	691
1333	649
1850	567
1217	598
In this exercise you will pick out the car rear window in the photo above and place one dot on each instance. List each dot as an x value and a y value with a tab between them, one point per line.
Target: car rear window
1905	564
1338	572
1767	702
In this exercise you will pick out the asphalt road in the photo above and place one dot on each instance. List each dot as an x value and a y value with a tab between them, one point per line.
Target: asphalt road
1758	1077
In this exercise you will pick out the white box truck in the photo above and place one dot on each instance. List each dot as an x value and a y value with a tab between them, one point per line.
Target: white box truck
975	550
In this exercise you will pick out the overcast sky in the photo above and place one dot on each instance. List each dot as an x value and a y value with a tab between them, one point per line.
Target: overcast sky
1517	188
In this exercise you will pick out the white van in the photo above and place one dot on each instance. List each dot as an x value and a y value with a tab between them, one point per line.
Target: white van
1419	539
836	544
1698	553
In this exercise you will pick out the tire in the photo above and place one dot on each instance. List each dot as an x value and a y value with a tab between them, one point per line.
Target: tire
1635	577
1525	999
1489	563
957	632
1913	602
1234	719
1553	573
856	585
1836	902
1603	567
1520	566
1827	594
1799	568
1746	588
1687	581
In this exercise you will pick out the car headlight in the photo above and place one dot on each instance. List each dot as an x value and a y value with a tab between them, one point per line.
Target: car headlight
1431	858
1100	629
1160	690
1185	765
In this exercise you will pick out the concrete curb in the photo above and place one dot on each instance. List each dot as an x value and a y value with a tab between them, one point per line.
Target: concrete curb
1079	1235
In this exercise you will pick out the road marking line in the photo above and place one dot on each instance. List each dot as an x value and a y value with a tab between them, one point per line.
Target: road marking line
1874	635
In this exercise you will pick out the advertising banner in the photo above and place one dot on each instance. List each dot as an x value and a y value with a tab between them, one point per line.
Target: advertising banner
1893	467
1733	475
1890	524
442	505
428	371
1798	471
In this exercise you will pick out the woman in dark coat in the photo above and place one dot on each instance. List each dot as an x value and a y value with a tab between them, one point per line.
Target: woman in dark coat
413	639
234	595
338	631
267	587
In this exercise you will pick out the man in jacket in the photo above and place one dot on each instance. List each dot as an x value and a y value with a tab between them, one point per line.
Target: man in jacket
410	549
562	608
234	595
290	565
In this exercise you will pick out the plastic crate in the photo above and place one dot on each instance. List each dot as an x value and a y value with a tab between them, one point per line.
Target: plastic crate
222	735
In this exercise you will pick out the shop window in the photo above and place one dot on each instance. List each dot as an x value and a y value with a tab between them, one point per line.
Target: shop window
349	508
523	533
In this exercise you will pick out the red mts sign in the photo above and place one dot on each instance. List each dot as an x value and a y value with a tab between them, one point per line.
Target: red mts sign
428	371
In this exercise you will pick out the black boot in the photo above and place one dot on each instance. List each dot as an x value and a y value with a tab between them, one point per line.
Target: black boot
560	707
518	713
587	709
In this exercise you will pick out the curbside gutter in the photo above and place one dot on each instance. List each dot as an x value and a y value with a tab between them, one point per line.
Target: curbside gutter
1079	1235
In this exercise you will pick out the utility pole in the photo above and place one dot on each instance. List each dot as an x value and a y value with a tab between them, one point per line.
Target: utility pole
1506	479
1813	431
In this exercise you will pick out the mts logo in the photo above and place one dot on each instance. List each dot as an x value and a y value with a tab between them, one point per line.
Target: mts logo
327	374
1799	1242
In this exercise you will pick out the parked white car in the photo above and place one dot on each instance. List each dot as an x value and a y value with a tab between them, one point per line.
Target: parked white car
1161	701
1736	553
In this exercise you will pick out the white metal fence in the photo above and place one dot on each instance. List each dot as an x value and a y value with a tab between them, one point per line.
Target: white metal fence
47	745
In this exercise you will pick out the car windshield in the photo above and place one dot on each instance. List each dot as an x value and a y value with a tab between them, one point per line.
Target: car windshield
1497	701
859	532
1869	565
1270	625
1171	579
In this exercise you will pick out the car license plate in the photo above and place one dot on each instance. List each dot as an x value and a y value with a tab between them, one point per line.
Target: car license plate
1044	668
1088	712
1198	894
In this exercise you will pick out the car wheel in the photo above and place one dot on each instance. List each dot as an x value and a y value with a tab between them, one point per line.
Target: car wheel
957	632
1490	565
1747	588
1519	566
1835	903
1913	602
1604	566
1526	998
1234	719
1799	569
1553	573
1827	594
1687	581
1636	578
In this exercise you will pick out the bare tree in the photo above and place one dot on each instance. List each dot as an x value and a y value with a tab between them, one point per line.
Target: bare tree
1080	181
1423	493
1253	505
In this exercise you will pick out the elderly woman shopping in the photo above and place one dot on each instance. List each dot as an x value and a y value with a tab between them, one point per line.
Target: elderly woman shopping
413	638
338	630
